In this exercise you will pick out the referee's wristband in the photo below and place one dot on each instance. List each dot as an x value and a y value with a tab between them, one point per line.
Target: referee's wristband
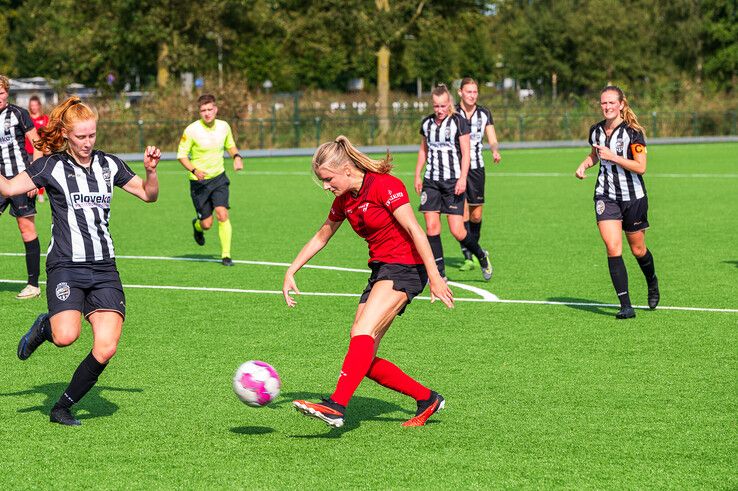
237	155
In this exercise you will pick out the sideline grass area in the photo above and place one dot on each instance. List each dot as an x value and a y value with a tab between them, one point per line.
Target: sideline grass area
539	396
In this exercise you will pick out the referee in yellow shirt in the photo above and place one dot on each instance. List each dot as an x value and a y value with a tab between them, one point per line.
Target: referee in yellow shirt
201	153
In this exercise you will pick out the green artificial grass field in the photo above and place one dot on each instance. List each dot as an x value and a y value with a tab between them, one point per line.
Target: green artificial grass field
539	395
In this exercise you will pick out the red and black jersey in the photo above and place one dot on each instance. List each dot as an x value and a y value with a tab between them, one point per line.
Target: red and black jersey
370	214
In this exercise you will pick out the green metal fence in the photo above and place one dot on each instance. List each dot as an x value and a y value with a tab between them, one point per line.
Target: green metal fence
310	131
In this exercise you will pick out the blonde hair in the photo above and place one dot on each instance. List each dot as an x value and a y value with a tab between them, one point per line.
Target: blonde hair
340	151
5	83
467	81
627	113
62	117
441	89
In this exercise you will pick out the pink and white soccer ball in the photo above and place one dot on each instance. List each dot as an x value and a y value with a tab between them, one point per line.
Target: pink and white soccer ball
256	383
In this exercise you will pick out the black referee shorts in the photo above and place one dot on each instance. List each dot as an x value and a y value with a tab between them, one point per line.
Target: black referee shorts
87	289
209	193
408	278
633	213
20	206
475	186
439	196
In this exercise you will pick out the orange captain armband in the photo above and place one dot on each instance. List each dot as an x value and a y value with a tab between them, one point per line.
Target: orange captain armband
638	148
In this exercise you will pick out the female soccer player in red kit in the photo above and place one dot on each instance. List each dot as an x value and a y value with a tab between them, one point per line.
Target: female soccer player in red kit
377	206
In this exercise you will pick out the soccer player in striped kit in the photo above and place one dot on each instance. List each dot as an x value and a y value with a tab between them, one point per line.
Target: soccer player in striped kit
377	206
15	125
82	278
482	125
444	153
621	203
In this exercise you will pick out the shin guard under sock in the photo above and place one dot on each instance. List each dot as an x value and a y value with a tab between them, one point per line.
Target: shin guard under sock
355	366
83	380
619	276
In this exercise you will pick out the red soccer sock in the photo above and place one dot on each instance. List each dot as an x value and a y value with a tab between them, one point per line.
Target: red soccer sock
358	359
389	375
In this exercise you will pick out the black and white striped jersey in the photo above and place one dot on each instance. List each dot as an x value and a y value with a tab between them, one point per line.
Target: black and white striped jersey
80	205
15	122
613	181
478	122
443	161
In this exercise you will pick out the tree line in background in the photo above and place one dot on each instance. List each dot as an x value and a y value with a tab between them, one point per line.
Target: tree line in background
559	48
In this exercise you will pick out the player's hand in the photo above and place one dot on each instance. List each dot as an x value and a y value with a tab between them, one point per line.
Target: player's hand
440	291
605	153
496	157
199	174
581	171
288	286
418	185
460	187
237	164
32	193
152	155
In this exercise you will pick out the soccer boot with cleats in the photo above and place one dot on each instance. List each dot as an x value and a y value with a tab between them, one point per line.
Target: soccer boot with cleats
29	291
227	261
653	294
426	409
63	416
626	313
486	265
34	337
467	266
198	235
331	413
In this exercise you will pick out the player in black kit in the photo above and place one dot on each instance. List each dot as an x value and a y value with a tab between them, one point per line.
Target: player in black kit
82	276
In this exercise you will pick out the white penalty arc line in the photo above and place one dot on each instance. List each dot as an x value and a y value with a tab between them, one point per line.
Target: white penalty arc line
356	295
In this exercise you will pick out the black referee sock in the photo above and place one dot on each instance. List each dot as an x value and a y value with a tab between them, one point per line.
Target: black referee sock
83	379
619	276
437	249
33	260
647	266
475	229
467	254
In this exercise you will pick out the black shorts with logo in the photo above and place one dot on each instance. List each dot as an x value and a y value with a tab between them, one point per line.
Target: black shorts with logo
475	186
408	278
209	193
439	196
633	213
86	288
20	206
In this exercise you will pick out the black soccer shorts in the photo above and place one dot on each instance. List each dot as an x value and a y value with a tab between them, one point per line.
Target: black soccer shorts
87	288
475	186
439	196
408	278
209	193
633	213
20	206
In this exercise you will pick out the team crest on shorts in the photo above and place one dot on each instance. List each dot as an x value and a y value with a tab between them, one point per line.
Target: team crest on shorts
423	198
62	291
600	207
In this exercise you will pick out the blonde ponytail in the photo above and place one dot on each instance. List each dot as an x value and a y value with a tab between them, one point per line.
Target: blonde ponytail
341	151
62	117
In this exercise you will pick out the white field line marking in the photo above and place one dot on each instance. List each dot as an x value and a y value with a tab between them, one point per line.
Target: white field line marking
495	174
486	295
356	295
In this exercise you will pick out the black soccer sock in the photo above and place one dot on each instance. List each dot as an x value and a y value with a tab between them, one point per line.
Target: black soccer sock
83	379
475	229
46	330
466	252
619	276
475	248
33	260
647	266
437	249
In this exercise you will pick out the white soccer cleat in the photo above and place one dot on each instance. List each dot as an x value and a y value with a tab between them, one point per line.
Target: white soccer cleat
29	291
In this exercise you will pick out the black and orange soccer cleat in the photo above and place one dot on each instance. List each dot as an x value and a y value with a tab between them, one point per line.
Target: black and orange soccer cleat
426	409
331	413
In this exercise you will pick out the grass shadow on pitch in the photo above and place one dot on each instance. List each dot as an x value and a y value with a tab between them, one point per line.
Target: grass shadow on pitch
11	287
94	405
361	409
251	430
735	263
595	309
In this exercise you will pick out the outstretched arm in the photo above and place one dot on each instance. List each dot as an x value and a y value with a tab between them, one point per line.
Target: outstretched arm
313	246
20	184
439	289
146	190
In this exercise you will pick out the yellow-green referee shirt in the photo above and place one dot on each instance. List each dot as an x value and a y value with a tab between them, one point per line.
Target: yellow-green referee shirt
204	146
